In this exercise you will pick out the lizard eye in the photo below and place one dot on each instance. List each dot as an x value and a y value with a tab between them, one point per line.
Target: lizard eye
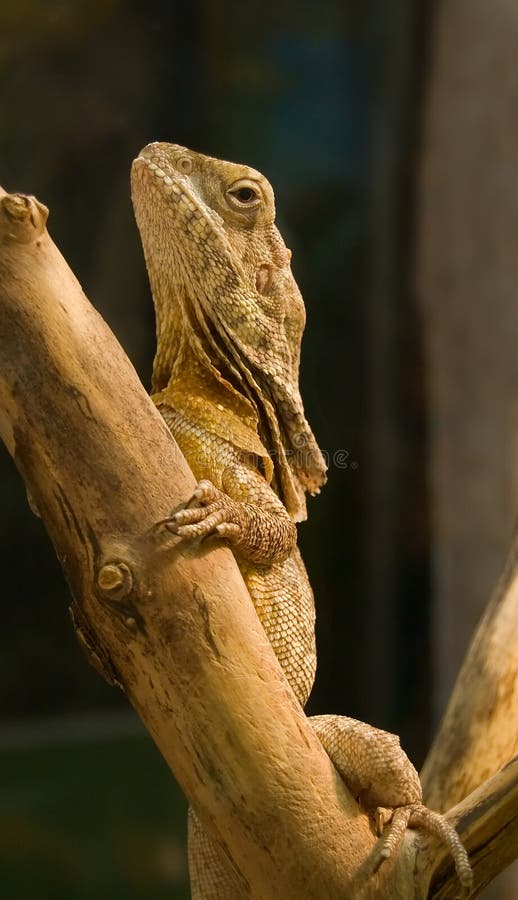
244	194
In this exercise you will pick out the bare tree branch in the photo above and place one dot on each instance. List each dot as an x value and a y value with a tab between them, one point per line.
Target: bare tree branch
173	624
479	732
487	822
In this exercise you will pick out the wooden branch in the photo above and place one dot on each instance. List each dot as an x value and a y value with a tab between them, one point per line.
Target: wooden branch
173	624
479	732
170	622
487	822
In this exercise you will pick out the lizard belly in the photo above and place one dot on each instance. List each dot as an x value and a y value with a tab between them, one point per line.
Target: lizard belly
283	600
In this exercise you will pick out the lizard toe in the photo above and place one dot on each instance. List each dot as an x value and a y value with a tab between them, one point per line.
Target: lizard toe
205	527
205	492
193	515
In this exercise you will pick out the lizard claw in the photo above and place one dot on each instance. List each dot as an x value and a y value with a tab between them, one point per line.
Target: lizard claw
208	511
204	492
382	816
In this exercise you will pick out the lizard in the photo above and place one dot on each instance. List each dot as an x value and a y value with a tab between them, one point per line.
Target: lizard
229	324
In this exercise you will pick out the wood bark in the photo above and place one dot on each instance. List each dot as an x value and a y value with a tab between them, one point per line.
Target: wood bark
171	623
487	822
479	732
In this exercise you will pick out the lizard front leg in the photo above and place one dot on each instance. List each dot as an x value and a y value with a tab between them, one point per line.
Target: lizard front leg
259	527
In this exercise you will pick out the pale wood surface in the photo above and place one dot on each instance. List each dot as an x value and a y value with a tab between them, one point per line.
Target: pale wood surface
185	641
173	624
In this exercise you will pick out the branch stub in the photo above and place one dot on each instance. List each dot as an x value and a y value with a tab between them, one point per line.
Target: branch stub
115	580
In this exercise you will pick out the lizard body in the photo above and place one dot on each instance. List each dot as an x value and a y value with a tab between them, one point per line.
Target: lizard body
225	377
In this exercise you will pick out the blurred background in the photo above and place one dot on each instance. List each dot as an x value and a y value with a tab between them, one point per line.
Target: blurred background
389	132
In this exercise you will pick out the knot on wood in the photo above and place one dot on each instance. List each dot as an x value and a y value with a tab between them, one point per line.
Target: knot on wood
23	218
115	580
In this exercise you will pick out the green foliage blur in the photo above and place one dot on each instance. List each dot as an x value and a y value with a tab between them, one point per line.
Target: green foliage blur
97	820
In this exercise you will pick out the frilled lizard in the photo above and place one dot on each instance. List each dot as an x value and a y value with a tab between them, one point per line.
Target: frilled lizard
229	320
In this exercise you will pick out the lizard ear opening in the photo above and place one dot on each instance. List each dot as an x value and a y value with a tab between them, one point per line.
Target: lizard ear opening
263	278
184	165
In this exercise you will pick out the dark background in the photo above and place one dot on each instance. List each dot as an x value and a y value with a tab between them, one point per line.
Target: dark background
325	99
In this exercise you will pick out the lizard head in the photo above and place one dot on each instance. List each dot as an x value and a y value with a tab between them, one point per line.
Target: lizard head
222	282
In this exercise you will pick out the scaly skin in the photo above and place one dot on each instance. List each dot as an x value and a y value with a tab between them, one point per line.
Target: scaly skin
229	325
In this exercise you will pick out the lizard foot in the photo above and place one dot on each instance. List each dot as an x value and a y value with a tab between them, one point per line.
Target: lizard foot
391	825
258	534
208	511
380	775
